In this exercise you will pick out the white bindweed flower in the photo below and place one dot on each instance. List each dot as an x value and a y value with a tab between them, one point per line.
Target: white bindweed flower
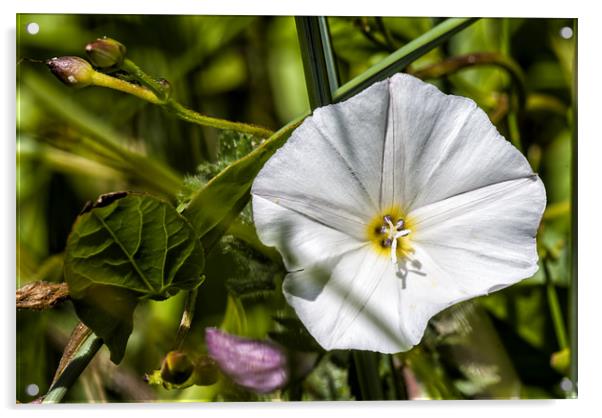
391	206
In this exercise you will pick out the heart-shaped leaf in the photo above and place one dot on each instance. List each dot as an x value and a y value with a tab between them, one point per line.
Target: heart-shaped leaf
123	248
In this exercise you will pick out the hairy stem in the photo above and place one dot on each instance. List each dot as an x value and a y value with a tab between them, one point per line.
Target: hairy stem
189	115
158	94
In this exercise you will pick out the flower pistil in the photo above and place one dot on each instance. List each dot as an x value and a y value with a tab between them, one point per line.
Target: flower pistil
387	233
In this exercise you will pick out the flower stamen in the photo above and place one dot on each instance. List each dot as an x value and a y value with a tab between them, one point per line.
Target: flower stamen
393	232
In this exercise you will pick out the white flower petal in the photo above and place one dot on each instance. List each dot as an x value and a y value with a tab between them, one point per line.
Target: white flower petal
438	146
330	168
300	240
356	129
484	239
351	301
426	291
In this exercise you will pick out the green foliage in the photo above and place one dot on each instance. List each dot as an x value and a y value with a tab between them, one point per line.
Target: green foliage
328	381
253	275
133	248
216	205
74	145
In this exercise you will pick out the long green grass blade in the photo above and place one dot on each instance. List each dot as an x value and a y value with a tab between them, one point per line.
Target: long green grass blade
318	59
405	55
87	346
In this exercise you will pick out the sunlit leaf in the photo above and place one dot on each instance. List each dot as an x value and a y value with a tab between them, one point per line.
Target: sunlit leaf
121	251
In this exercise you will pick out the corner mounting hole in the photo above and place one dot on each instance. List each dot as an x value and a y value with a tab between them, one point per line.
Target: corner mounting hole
33	28
32	389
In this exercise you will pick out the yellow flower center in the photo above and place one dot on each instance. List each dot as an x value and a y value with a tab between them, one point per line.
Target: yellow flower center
389	232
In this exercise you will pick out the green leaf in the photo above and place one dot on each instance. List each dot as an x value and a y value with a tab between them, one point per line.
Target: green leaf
126	247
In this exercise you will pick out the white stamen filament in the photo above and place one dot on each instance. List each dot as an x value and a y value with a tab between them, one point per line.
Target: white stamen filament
393	235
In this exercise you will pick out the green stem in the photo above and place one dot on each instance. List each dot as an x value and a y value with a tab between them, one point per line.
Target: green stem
401	392
157	93
555	310
514	131
71	372
452	65
187	317
366	369
103	80
189	115
154	85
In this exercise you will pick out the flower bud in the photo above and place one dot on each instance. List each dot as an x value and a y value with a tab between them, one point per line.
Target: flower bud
106	52
561	361
206	371
260	366
176	367
73	71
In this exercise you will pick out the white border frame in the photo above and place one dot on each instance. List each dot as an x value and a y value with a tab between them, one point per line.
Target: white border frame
589	67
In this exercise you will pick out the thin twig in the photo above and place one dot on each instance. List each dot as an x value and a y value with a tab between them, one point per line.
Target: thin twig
41	295
455	64
366	30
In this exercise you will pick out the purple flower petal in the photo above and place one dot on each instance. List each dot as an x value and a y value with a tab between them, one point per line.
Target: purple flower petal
260	366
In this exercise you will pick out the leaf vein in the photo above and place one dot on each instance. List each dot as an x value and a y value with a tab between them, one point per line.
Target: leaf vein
134	264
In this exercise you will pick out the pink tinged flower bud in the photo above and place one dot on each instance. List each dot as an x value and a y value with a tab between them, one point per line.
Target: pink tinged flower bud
106	52
73	71
260	366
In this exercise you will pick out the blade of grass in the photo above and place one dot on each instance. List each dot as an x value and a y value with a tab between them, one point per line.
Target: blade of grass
80	351
318	59
405	55
366	364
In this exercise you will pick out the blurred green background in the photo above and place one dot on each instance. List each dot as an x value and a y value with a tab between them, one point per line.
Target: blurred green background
250	69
